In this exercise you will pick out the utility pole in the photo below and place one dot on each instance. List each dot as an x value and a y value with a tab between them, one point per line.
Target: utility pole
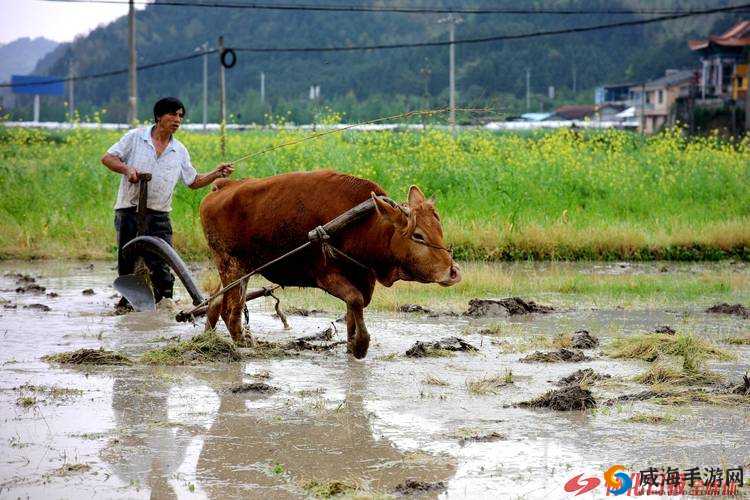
528	89
262	87
222	101
205	85
452	22
71	92
133	101
643	108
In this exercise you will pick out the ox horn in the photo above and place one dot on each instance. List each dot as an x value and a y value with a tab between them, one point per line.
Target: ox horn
161	249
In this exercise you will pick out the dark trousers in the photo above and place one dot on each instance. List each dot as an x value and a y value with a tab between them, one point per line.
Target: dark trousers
157	224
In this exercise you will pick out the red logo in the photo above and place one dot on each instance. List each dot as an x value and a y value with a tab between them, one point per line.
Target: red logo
575	484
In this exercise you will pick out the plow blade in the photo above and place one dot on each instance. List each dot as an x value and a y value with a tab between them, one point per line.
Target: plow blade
136	288
161	249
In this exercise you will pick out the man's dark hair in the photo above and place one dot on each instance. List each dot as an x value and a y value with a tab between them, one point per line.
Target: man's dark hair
168	105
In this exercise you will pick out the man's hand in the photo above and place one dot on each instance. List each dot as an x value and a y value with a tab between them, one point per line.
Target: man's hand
132	175
224	170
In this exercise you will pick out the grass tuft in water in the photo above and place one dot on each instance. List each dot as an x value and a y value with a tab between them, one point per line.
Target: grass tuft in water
205	347
489	385
650	418
89	357
663	373
649	347
327	489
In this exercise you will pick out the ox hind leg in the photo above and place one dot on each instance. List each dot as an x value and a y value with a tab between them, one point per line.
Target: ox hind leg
358	338
232	303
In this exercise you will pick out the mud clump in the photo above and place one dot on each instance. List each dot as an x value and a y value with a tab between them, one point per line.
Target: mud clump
665	330
414	487
578	377
438	348
38	307
583	340
570	398
253	387
32	288
561	355
21	278
89	357
205	347
88	291
53	295
414	309
482	438
512	306
299	311
733	309
69	469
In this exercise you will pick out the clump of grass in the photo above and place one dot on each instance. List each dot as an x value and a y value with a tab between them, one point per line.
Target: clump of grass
433	380
489	385
649	347
491	329
26	401
662	373
650	418
697	396
328	489
205	347
738	340
89	357
388	357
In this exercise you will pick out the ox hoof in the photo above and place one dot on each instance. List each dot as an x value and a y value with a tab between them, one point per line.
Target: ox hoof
358	349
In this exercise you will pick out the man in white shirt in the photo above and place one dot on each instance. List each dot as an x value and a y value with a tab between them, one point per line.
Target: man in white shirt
155	150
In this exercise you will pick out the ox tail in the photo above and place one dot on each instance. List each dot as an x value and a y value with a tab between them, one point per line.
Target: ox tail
160	248
219	183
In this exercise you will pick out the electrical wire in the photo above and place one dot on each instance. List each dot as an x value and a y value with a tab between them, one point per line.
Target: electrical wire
375	9
394	46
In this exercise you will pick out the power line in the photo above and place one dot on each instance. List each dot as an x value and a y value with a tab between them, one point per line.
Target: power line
404	10
521	36
111	73
396	46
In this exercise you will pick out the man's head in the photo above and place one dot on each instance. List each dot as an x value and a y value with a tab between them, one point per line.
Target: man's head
171	110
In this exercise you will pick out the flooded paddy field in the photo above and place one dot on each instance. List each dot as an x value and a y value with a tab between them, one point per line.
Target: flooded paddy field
319	423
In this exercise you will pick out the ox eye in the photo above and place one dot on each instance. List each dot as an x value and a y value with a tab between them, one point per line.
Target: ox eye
418	237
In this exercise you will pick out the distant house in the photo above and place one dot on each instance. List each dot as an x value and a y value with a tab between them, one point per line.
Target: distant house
615	94
573	112
535	117
724	72
654	100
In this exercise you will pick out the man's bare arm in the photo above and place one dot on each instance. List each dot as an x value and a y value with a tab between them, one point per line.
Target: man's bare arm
116	165
201	180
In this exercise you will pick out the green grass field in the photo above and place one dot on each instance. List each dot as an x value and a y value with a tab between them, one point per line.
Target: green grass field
554	195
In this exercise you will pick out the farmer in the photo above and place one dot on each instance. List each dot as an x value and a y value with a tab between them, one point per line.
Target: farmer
155	150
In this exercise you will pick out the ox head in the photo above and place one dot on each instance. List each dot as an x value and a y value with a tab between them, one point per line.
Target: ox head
417	242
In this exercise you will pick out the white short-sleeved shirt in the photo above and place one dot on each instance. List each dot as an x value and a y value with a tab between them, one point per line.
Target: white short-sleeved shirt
137	150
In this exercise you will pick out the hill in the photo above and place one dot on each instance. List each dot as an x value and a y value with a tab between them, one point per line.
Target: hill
20	56
373	83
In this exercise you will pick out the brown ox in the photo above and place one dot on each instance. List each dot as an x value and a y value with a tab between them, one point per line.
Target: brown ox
250	222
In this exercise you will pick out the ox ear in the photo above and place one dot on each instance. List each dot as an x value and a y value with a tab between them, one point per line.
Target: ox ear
388	212
416	197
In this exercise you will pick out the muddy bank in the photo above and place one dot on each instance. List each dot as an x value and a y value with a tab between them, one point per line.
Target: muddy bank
311	421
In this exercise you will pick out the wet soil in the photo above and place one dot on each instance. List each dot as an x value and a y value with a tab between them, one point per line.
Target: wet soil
512	306
735	309
379	426
560	355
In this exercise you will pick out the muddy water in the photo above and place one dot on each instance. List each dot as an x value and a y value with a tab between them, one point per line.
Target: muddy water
165	432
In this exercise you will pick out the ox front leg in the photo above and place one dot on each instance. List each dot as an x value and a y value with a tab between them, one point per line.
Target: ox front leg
358	339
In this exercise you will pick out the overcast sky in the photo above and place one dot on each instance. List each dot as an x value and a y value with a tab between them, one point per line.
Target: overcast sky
54	20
